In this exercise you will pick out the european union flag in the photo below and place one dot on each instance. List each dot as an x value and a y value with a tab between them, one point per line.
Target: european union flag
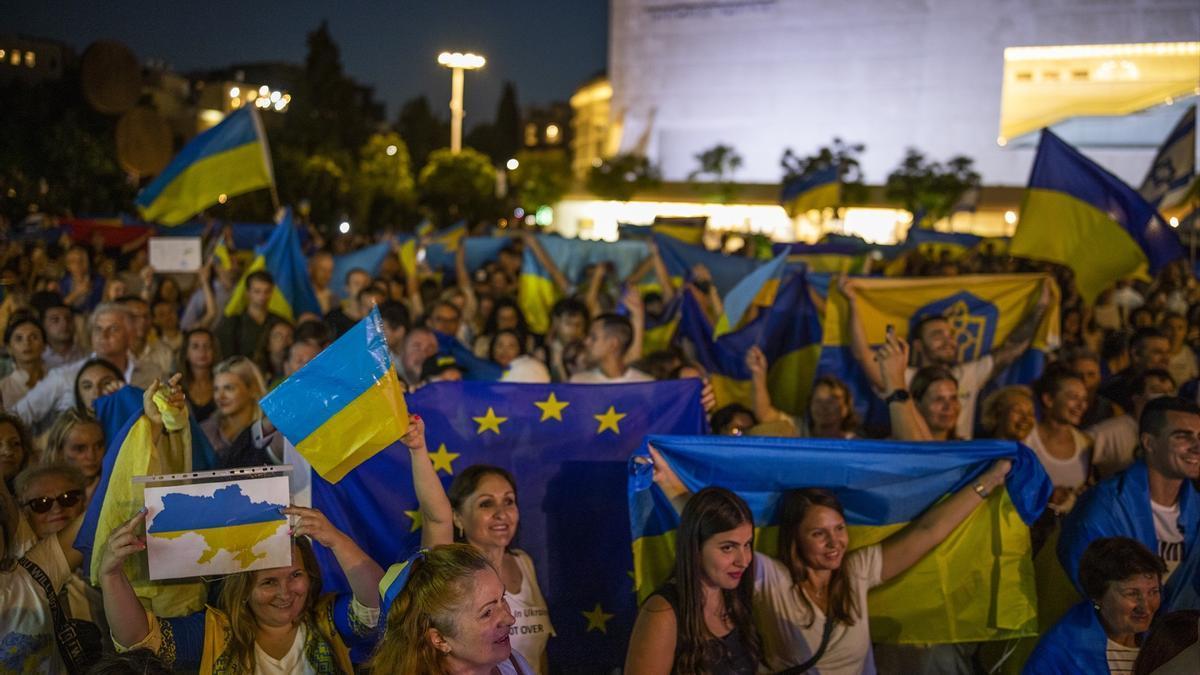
568	446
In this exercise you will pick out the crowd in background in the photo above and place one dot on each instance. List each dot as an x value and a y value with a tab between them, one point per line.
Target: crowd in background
1113	419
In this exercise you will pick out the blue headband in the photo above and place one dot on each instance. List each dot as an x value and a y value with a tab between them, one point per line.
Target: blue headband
394	581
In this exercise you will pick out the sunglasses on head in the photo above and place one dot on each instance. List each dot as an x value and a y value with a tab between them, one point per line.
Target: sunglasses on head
66	500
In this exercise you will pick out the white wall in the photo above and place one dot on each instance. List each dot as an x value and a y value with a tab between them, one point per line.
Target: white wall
763	75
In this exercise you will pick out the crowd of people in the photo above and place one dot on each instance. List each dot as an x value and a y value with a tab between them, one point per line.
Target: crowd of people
1113	419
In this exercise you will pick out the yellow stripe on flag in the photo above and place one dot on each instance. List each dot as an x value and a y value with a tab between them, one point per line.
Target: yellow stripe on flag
358	425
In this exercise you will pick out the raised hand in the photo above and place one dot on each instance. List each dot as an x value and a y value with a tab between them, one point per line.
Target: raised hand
313	524
414	438
122	543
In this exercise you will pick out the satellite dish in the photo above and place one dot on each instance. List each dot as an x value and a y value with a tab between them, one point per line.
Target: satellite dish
111	77
144	143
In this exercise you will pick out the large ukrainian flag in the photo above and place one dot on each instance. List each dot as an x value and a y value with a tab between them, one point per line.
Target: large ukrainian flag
536	292
756	291
345	405
977	585
228	159
821	190
983	309
1077	214
726	270
282	257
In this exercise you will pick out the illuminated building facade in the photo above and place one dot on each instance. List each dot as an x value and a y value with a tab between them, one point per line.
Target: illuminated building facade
970	77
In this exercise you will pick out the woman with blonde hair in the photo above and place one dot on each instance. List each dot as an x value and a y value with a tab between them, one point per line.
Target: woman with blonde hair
238	385
446	613
1008	413
77	440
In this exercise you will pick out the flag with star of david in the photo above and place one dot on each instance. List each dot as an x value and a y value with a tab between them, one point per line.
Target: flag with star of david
568	447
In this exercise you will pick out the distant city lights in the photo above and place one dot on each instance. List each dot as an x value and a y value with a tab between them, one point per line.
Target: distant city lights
264	97
344	227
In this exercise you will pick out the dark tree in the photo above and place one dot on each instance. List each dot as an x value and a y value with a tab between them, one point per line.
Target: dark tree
421	130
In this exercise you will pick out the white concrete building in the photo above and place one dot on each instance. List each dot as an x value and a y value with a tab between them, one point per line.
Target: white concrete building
763	75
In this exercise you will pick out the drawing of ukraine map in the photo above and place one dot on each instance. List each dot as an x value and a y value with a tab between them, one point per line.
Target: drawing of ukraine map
209	529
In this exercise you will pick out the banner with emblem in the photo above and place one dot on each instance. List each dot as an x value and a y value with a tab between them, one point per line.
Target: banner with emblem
568	448
982	309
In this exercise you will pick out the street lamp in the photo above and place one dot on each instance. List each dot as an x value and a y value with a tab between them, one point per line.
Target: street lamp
457	62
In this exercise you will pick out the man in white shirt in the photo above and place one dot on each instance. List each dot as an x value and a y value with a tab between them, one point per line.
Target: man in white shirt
934	342
110	330
1116	438
1154	501
608	341
155	352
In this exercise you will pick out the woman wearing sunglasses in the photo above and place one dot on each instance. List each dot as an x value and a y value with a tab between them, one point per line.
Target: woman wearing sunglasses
50	497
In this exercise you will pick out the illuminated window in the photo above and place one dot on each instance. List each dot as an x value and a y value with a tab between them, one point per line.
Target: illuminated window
16	57
531	135
1092	80
30	59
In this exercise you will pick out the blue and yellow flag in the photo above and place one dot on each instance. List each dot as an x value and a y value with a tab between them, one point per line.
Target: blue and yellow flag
130	452
789	333
368	259
1077	214
826	258
479	252
756	291
727	270
687	230
567	445
282	257
977	585
801	194
536	292
228	159
345	405
448	237
983	310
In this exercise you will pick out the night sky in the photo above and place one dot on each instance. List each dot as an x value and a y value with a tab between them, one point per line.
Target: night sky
547	47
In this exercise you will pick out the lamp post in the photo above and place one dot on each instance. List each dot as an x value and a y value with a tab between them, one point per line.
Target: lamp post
458	62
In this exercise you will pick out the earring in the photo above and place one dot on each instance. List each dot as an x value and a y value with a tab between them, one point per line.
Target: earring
1096	606
458	534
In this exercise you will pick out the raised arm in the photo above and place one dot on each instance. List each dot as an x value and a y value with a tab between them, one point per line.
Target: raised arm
637	317
903	549
591	297
463	277
760	395
437	517
858	334
362	573
1022	336
125	615
668	481
906	420
660	271
556	275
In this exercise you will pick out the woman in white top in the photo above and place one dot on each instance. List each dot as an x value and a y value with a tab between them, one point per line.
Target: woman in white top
481	510
1064	451
817	578
25	341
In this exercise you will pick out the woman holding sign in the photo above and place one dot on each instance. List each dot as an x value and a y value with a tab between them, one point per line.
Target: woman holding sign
810	602
266	621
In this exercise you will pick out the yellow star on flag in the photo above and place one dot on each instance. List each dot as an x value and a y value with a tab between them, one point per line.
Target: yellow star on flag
416	518
551	408
609	420
597	619
490	422
443	460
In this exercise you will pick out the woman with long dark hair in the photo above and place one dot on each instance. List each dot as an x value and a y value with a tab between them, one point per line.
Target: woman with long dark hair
700	620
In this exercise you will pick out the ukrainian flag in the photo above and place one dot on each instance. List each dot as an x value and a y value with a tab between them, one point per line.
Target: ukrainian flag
825	258
229	159
282	257
686	230
978	585
756	291
536	292
130	452
983	310
727	270
789	333
1077	214
801	194
660	330
369	259
345	405
479	252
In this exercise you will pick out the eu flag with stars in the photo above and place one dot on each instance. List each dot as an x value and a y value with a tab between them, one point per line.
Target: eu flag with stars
568	447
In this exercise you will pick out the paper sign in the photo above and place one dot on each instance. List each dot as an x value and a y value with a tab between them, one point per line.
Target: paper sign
175	254
212	529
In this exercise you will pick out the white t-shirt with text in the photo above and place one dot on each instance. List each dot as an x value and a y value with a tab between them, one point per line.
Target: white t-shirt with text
1170	539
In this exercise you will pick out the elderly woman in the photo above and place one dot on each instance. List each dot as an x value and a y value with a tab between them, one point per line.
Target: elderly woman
447	613
1123	584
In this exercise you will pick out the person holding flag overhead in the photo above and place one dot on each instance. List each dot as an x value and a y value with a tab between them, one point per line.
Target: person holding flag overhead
481	510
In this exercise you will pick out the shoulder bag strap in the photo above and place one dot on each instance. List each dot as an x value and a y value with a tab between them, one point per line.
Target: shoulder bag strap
809	664
64	632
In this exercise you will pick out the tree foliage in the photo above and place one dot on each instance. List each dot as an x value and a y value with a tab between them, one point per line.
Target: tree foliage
455	186
839	154
715	168
620	177
421	130
384	192
541	179
931	188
